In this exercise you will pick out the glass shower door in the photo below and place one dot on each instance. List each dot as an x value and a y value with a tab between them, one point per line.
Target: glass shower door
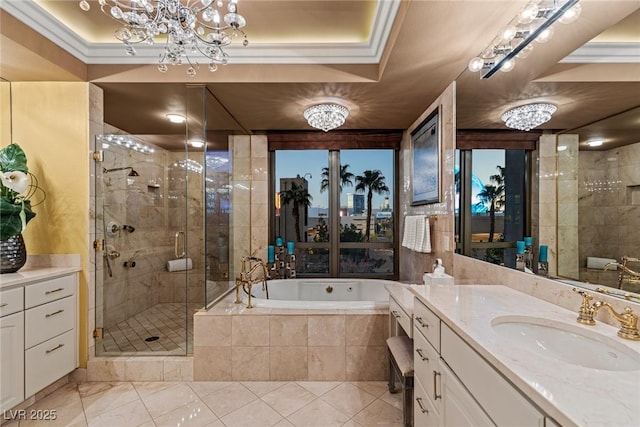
141	220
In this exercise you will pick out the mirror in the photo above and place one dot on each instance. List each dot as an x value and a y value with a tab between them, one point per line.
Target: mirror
607	202
592	217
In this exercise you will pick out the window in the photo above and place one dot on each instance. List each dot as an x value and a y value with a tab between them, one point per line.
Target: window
338	207
492	189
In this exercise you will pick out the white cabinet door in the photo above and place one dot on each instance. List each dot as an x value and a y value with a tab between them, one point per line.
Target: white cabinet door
458	407
11	360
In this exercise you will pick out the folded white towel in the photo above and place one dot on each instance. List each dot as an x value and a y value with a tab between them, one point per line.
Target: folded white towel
179	264
416	235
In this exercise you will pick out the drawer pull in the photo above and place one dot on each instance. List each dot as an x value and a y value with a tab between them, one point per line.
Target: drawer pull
422	408
54	290
421	354
54	313
436	396
421	323
4	304
55	348
395	314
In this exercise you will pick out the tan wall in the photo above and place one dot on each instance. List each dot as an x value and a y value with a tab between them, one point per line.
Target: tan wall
5	113
414	264
51	124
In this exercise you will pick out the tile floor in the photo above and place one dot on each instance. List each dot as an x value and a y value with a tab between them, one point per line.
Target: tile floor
167	321
219	404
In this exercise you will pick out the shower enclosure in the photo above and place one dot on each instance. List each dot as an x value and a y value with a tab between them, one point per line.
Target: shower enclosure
162	217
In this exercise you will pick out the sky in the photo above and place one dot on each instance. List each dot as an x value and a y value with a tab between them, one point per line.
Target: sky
309	164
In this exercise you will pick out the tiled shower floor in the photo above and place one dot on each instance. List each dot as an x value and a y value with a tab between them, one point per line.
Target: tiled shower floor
167	321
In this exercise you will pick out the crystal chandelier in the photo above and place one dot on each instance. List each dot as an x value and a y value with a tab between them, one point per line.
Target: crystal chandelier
192	27
534	22
527	117
326	116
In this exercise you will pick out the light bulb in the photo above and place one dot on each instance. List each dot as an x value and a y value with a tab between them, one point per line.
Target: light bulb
545	36
509	33
528	14
571	15
196	143
508	66
476	64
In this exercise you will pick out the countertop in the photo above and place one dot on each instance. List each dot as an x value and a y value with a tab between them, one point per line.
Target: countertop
571	394
26	276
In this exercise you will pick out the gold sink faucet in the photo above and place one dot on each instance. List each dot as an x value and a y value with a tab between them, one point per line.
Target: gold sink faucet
628	320
586	313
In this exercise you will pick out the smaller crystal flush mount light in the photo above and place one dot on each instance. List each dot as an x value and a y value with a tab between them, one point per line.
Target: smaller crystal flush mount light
529	116
326	116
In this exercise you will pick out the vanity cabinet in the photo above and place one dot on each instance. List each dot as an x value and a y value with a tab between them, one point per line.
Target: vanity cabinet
11	348
399	315
39	336
453	385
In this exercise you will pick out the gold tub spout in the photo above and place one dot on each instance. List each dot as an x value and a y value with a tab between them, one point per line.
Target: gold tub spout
246	280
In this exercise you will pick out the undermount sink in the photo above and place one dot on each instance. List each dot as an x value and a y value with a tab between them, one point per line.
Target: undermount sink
574	344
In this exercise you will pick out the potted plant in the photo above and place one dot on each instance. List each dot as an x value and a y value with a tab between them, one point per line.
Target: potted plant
17	187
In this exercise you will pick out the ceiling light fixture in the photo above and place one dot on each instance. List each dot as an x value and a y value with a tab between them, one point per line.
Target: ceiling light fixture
193	28
176	118
326	116
595	142
532	23
527	117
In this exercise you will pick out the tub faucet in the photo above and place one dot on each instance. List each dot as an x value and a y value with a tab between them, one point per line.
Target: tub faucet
246	280
626	274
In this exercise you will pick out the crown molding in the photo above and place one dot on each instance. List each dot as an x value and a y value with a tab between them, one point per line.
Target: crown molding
611	53
369	52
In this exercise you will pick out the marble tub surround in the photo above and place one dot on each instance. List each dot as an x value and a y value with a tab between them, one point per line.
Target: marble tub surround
259	344
570	394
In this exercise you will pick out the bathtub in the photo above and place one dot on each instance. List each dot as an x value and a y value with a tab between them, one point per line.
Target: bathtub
322	294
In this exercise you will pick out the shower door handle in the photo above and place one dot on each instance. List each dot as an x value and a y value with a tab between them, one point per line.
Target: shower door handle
176	248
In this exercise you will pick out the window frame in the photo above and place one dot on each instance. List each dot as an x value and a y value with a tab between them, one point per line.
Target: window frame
334	142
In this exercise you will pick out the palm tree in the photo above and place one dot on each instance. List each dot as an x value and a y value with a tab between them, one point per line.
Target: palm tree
373	182
490	195
498	180
299	196
346	178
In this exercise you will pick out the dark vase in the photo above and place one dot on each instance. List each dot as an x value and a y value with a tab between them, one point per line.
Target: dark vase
13	254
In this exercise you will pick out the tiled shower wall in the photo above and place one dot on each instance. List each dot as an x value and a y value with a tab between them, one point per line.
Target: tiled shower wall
157	204
609	208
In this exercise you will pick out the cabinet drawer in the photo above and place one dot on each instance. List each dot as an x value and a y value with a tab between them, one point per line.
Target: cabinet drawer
424	414
11	301
428	323
505	405
49	361
49	290
425	365
401	316
49	320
